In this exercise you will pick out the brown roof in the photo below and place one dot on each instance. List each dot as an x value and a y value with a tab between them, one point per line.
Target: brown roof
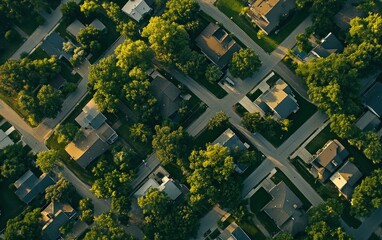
217	44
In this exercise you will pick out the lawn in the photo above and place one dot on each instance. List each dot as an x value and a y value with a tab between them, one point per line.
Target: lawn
360	160
66	72
5	126
259	200
279	176
9	47
38	54
30	22
10	204
252	231
268	222
255	95
306	110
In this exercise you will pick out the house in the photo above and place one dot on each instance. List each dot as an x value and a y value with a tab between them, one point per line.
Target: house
97	24
75	27
266	14
285	209
373	99
5	140
217	45
368	122
136	9
346	14
29	186
54	216
165	184
167	94
345	179
230	140
328	159
280	100
330	44
52	45
98	136
233	233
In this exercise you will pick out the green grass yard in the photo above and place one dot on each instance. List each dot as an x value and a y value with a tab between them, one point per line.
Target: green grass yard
255	95
15	136
10	204
9	47
259	200
5	126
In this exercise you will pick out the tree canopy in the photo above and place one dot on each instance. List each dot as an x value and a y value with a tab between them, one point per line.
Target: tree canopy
61	191
47	160
24	227
67	132
244	63
106	226
367	196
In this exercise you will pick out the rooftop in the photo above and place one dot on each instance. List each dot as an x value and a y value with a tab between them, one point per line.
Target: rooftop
346	177
368	121
373	99
97	24
75	27
230	140
4	140
330	44
267	13
167	95
329	158
54	216
217	44
29	186
136	9
280	99
90	116
285	210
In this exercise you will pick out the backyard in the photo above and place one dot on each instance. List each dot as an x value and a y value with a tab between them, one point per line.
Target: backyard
10	206
8	47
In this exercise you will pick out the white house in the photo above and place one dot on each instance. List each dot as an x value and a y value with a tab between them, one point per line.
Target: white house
136	9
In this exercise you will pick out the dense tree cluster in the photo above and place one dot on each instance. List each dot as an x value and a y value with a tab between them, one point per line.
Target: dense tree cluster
333	82
89	37
164	219
13	162
123	75
67	132
106	226
171	145
367	196
47	160
21	79
24	227
182	12
244	63
61	191
255	123
324	222
212	177
86	210
219	120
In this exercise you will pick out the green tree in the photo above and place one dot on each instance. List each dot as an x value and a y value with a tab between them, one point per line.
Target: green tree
367	196
61	191
139	131
106	226
106	79
183	12
88	38
87	210
373	148
170	145
49	100
368	29
121	206
70	10
112	184
89	7
211	177
219	120
302	42
244	63
168	40
13	161
134	54
252	121
24	227
213	73
67	132
47	160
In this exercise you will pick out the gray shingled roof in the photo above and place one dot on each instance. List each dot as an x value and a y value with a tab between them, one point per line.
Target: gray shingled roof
167	95
29	186
330	44
230	140
285	210
373	98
